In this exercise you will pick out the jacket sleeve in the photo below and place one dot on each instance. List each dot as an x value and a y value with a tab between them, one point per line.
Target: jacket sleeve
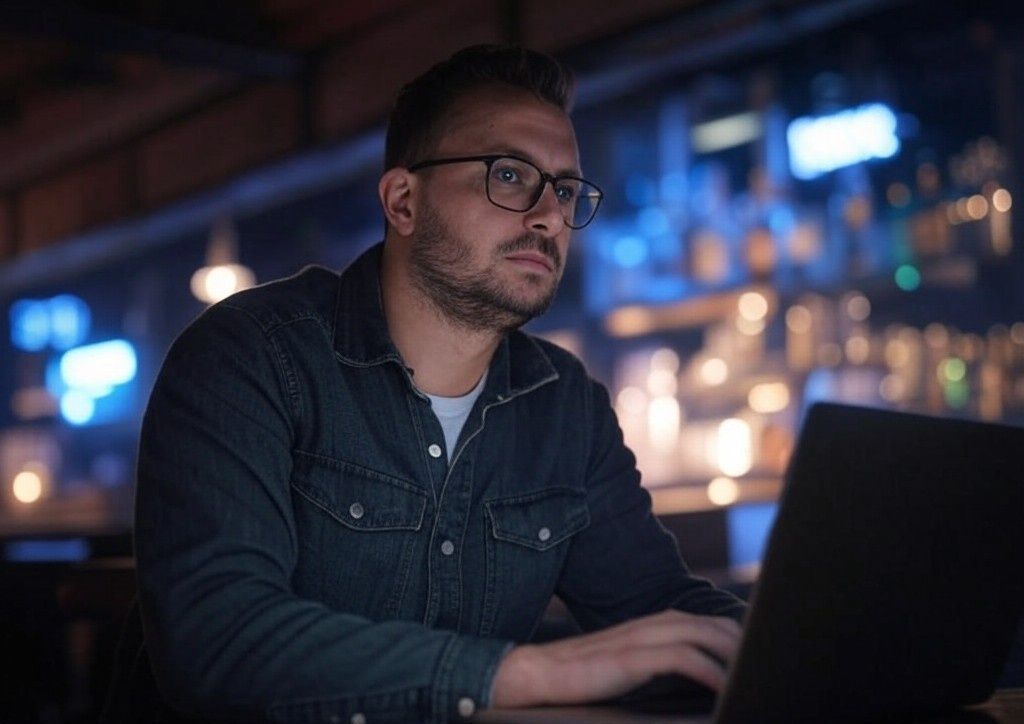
216	546
625	564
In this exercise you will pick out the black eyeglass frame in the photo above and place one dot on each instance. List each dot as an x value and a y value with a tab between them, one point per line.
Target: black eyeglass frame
545	179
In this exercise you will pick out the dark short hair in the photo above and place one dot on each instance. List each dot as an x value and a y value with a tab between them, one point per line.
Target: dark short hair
422	106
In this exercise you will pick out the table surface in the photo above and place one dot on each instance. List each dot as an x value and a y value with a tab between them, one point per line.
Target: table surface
1005	707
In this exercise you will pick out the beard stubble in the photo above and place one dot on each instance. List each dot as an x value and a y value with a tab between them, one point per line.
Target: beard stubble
471	298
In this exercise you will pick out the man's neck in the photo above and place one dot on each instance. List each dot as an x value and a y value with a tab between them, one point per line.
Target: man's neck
446	359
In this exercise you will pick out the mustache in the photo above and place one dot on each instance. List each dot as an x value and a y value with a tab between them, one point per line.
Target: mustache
534	242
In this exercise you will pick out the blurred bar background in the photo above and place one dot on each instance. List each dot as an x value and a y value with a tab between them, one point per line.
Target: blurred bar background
805	200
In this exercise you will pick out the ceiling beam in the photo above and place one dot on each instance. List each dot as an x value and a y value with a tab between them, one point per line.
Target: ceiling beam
102	121
106	32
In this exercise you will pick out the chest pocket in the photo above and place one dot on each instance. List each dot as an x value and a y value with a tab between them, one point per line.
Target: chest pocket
359	498
527	540
539	520
358	534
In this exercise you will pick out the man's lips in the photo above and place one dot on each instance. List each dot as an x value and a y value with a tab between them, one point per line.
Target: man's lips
533	258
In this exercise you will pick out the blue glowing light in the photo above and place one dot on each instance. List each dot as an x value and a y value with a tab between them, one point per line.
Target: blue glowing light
60	322
652	221
96	368
661	289
823	144
69	321
41	551
749	526
51	378
92	381
781	220
30	325
77	407
674	187
819	387
630	251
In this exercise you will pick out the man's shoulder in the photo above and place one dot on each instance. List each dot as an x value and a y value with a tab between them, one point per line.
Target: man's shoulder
310	294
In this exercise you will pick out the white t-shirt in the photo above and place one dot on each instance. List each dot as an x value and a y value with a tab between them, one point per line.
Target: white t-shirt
453	411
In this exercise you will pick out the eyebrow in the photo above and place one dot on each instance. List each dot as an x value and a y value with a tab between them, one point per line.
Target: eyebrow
513	151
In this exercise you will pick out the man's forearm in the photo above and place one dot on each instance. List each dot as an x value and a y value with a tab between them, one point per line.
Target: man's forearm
294	660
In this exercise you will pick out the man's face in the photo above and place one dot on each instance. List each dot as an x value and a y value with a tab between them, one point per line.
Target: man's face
483	266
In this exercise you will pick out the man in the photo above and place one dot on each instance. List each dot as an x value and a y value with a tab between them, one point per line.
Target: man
358	494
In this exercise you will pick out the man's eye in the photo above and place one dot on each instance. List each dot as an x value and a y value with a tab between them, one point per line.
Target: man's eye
565	193
507	175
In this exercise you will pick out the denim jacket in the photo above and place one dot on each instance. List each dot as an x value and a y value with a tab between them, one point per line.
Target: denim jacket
307	553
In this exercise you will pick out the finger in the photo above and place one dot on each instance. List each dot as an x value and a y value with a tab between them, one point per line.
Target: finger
721	642
667	617
720	639
729	624
726	622
614	635
683	659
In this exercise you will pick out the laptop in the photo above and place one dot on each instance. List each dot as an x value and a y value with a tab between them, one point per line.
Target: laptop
893	579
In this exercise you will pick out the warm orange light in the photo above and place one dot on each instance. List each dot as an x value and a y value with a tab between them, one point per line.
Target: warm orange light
977	207
665	359
734	447
798	319
858	308
723	491
631	401
714	372
749	327
858	349
897	353
753	306
769	397
214	283
664	416
661	382
629	321
27	486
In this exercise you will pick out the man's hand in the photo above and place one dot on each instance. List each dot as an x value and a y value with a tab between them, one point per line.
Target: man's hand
611	662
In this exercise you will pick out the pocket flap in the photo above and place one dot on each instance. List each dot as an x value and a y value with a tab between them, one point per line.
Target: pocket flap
539	520
357	497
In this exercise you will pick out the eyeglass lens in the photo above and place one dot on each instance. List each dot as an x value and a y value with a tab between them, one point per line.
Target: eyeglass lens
517	185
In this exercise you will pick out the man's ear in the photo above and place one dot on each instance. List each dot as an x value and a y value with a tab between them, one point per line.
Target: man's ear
397	190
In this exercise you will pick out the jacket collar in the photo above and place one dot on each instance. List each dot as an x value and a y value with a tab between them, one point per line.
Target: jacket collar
361	337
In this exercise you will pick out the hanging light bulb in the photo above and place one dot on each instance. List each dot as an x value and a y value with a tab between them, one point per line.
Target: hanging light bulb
223	275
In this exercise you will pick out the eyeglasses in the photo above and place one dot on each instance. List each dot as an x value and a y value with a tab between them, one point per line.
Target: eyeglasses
515	184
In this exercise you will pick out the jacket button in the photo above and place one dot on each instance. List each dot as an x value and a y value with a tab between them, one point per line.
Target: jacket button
466	707
434	450
544	533
447	547
356	511
358	718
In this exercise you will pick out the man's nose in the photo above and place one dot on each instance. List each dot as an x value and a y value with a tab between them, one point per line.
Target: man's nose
546	216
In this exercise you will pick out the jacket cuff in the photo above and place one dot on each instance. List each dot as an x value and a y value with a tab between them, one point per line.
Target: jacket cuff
465	677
